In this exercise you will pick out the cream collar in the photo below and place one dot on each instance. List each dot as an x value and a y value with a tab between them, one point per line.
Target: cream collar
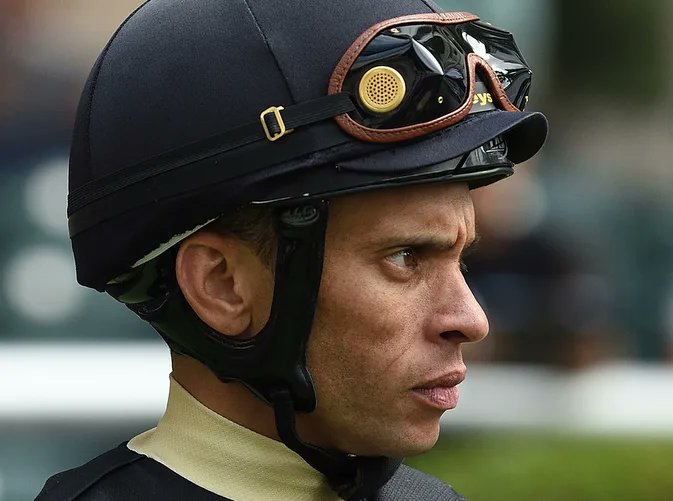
226	458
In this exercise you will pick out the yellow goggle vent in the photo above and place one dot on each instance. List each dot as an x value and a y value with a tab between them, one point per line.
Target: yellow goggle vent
382	89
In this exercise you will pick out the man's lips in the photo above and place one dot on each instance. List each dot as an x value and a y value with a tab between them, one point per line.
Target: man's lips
452	378
441	392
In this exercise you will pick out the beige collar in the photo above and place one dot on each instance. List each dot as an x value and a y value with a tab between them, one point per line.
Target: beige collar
226	458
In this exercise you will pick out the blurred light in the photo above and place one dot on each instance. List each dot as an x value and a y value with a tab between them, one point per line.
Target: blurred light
44	44
632	399
45	194
40	285
107	381
512	210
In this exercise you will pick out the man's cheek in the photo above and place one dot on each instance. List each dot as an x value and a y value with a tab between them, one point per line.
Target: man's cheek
374	312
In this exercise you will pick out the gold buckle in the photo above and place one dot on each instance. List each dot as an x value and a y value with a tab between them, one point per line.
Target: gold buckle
276	112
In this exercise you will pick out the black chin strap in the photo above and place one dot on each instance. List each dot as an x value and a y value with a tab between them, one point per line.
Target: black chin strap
354	478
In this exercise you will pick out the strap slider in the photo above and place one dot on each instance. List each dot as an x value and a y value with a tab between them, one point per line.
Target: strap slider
282	130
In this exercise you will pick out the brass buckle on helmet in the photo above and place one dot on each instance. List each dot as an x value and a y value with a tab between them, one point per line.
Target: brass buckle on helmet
279	119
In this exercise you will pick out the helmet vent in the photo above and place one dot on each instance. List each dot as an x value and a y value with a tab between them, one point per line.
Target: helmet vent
382	89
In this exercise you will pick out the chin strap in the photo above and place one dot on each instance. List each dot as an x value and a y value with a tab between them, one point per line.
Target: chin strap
354	478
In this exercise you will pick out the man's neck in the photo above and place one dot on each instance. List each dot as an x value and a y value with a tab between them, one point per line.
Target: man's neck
231	400
237	403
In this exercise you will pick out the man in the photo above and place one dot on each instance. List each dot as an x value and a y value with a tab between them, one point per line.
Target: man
282	191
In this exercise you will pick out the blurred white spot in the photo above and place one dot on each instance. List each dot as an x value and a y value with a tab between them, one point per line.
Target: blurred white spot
40	285
46	197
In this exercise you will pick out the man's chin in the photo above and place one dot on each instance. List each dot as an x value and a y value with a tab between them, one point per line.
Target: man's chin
418	447
416	441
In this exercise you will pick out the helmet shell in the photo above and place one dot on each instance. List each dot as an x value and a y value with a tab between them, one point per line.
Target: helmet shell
179	72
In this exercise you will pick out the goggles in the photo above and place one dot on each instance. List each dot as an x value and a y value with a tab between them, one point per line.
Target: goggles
414	75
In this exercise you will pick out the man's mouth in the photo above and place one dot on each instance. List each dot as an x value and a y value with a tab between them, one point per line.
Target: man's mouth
442	392
443	398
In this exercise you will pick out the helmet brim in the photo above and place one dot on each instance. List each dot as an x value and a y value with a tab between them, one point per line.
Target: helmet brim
524	132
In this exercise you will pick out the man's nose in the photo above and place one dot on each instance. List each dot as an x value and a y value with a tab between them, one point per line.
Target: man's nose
460	317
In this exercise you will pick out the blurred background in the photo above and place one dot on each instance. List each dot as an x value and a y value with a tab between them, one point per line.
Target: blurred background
571	395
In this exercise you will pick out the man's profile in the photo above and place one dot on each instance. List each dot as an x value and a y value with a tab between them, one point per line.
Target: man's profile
282	190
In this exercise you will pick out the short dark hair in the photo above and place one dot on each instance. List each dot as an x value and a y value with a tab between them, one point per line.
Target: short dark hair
254	226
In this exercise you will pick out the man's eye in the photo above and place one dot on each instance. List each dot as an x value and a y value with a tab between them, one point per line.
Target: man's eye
406	258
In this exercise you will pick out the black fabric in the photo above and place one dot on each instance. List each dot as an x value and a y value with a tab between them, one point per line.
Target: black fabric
73	483
123	475
181	81
294	116
409	484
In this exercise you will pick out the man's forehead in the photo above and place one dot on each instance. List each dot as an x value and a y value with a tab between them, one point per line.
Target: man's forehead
443	210
410	197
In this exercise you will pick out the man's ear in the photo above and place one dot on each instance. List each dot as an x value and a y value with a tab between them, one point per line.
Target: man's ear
224	282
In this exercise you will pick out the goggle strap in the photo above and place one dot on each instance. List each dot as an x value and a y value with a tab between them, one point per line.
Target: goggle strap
305	113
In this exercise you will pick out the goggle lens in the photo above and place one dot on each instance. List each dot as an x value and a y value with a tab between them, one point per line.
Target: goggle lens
498	48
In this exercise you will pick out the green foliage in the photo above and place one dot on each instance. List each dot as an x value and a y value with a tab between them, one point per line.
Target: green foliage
611	48
552	468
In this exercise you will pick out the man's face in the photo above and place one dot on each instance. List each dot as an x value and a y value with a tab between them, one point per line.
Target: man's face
392	313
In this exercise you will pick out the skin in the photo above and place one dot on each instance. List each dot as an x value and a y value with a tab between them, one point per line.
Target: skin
393	312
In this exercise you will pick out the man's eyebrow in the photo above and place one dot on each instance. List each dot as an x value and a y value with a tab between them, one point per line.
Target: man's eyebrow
432	243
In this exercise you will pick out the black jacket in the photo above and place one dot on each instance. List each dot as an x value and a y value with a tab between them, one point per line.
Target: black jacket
123	475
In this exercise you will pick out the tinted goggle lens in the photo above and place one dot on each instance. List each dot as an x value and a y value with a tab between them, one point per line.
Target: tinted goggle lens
413	74
499	50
